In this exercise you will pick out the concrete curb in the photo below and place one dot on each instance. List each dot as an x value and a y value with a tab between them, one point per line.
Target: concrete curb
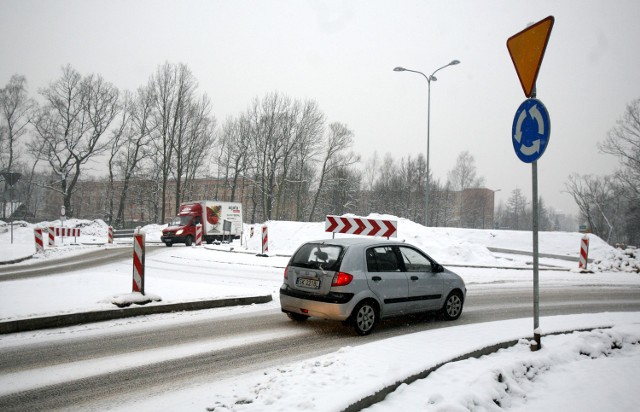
57	321
382	394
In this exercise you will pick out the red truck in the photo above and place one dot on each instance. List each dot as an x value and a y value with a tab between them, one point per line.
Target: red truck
221	221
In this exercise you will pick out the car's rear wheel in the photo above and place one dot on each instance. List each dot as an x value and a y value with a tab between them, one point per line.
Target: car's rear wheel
297	317
452	308
364	317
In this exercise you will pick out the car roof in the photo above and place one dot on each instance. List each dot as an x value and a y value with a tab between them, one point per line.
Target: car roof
352	241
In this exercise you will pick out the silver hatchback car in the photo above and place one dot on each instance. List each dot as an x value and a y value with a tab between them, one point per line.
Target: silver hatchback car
362	280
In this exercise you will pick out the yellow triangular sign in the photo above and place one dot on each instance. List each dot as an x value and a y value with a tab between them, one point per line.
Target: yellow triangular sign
527	50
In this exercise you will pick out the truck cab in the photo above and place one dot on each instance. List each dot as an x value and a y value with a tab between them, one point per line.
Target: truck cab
182	228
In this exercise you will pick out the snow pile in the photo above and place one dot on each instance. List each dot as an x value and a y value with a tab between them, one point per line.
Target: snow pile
126	299
518	379
619	260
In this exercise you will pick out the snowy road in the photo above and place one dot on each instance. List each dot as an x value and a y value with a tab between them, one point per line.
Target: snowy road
76	365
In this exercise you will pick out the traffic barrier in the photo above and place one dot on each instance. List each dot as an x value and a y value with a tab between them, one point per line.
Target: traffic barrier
37	234
361	226
62	232
110	235
265	240
584	252
198	234
67	231
52	236
138	261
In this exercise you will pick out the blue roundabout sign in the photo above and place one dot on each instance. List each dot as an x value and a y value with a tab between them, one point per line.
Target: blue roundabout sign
531	130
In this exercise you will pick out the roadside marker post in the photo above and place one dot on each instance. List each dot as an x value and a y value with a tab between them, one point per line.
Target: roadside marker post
199	234
138	261
584	253
37	234
265	241
110	235
52	236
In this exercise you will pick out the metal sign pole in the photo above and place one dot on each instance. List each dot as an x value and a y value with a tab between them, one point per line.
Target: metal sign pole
536	289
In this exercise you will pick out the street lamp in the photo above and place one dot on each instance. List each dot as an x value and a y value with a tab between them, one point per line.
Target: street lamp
429	79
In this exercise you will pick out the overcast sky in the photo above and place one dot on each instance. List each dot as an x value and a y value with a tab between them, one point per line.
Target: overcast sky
342	54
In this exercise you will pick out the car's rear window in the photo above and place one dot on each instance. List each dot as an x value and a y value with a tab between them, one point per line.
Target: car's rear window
317	256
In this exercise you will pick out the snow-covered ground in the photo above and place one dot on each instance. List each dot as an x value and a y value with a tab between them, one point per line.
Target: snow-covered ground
570	372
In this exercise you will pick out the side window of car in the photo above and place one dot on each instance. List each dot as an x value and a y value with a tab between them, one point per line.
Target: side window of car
414	261
382	259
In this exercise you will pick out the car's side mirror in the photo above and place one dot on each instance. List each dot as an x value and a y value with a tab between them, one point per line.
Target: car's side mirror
437	268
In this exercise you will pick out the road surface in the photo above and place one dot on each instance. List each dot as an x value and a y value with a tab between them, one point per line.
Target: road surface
228	346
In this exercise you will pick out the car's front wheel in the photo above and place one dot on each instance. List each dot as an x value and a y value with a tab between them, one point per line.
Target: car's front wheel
452	308
188	241
364	317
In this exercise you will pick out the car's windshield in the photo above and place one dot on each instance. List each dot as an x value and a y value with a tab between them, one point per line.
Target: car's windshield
181	220
317	256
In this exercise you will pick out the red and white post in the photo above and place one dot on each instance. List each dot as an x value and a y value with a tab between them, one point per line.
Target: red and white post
584	252
138	261
37	234
265	239
199	234
110	235
52	236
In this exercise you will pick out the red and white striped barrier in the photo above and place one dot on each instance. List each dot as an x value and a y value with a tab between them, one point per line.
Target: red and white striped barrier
584	252
37	234
110	235
265	239
52	236
198	234
61	232
361	226
138	262
67	231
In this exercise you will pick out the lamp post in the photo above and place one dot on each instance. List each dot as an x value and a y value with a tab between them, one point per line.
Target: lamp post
429	79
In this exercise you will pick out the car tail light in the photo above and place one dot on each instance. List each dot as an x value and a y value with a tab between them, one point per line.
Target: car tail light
341	279
286	275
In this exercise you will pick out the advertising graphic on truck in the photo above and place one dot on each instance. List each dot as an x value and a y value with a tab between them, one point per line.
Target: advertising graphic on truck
221	221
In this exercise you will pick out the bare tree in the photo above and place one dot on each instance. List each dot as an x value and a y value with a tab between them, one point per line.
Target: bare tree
173	88
72	126
339	141
516	213
234	151
16	109
464	176
595	197
193	144
135	140
116	145
623	141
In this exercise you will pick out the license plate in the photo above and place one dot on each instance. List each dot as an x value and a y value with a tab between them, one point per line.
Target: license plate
308	283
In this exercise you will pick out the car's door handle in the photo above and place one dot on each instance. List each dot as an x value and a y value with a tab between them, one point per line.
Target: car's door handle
376	278
414	278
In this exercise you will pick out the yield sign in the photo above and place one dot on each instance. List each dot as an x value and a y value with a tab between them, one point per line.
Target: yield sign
527	50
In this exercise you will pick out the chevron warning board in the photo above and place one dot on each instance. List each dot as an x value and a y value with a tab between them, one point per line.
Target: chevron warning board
354	225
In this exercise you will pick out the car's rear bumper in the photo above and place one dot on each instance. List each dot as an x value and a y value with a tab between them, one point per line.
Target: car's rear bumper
334	306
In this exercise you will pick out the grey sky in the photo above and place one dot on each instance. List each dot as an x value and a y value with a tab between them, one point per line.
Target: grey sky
342	54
